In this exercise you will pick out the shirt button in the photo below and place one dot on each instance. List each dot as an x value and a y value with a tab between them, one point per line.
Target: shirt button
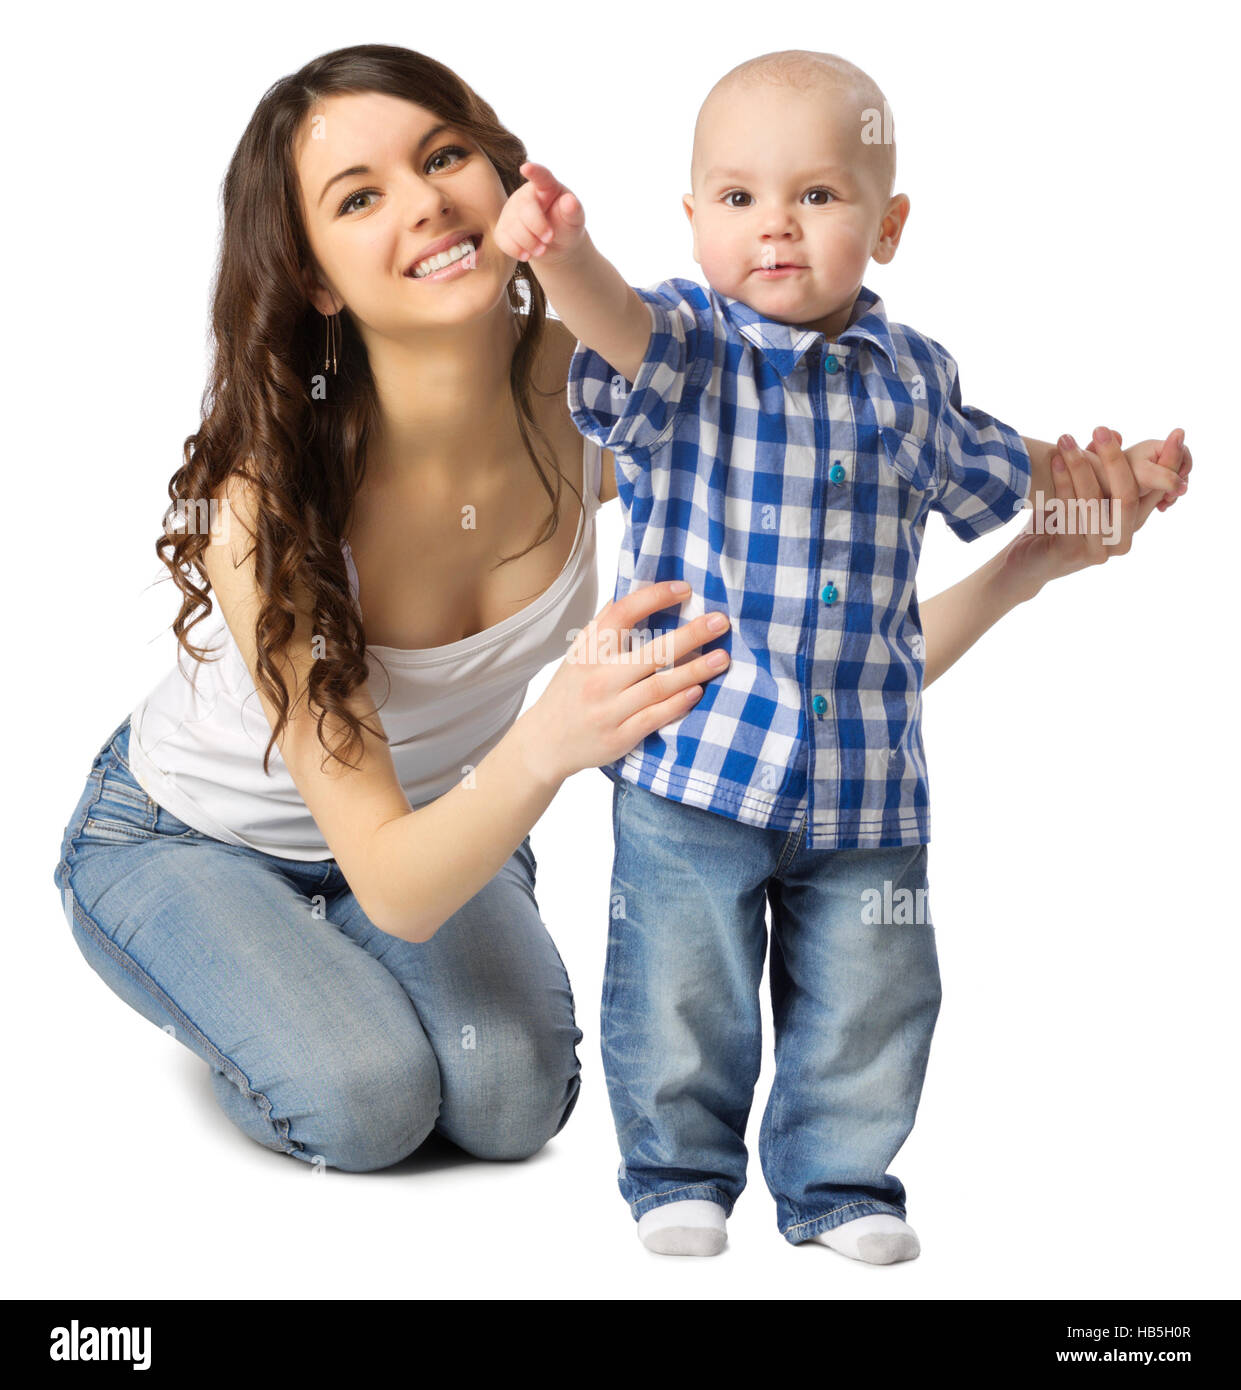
837	473
829	593
830	365
819	704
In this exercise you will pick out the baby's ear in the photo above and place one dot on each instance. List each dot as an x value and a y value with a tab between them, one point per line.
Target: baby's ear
890	228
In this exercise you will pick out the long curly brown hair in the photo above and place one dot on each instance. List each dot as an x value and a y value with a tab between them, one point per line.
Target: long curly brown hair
305	456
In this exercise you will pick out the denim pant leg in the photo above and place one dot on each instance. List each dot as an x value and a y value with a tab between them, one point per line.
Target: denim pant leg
493	995
855	995
316	1048
321	1032
680	1029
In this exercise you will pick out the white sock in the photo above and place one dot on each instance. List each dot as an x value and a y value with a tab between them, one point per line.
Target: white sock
879	1240
684	1228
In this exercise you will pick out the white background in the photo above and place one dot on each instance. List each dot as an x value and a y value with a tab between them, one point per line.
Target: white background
1072	242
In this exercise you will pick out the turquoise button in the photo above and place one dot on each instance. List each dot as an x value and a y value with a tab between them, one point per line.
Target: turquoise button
819	704
830	365
830	593
837	473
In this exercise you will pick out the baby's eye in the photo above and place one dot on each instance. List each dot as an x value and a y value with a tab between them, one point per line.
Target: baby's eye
734	193
827	193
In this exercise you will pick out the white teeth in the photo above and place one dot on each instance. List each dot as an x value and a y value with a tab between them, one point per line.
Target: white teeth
438	262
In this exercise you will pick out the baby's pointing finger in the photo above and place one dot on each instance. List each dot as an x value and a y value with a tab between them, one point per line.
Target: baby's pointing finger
546	184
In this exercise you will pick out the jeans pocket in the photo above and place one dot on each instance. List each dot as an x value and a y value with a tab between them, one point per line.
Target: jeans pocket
123	813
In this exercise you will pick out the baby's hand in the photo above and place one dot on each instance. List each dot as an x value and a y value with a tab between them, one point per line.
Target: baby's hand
1162	468
1100	471
541	219
1143	469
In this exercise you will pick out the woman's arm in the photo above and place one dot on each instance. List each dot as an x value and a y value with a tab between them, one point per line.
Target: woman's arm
411	869
955	619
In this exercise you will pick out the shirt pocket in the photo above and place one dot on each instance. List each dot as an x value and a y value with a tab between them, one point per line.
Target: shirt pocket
906	432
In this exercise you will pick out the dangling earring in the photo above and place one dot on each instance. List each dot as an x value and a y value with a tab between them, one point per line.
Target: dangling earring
331	340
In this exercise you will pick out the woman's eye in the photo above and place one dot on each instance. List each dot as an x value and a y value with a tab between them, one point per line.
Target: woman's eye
735	193
349	205
826	192
448	149
361	193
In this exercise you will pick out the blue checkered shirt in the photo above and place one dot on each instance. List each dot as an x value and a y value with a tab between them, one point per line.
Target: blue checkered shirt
787	479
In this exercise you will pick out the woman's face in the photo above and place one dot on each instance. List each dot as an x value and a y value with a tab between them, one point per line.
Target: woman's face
383	182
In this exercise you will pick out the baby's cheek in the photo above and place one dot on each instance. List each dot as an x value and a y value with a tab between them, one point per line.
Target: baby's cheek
723	267
849	251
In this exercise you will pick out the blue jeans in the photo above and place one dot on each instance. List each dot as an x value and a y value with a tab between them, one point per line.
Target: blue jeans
327	1039
855	993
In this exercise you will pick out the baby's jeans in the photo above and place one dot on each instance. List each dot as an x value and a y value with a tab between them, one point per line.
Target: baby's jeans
855	994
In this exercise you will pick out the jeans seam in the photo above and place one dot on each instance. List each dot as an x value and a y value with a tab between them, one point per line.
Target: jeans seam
140	976
867	1202
786	854
685	1187
68	846
124	761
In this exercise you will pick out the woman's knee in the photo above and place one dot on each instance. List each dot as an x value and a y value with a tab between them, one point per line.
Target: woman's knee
513	1115
375	1107
358	1112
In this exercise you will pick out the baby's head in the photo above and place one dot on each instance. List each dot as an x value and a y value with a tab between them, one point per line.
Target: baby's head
794	165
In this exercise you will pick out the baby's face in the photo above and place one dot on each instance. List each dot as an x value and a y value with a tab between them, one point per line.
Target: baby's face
789	205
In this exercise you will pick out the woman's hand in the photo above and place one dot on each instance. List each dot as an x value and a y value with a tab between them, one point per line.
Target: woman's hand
1039	554
605	699
540	219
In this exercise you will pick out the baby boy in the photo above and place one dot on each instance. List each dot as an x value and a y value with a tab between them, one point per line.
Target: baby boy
779	444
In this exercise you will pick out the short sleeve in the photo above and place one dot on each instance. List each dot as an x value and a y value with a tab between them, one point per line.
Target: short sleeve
638	417
983	467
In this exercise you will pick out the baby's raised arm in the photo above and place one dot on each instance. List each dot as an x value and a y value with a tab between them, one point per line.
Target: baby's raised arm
544	224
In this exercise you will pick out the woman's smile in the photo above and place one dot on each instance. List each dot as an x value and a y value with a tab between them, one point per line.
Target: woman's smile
460	256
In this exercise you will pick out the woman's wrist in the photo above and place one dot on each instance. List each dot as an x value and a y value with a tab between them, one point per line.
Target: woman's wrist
534	744
1008	583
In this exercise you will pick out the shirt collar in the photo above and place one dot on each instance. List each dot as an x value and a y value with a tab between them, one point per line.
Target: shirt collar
784	345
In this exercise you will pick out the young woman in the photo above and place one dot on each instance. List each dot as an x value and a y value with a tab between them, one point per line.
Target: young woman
347	932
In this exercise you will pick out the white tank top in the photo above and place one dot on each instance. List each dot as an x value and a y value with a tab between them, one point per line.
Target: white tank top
196	741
